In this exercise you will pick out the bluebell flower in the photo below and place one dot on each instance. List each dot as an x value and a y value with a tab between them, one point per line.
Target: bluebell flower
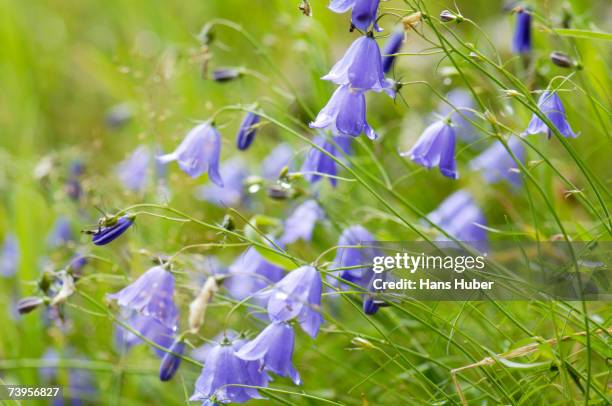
436	147
199	152
521	42
392	46
247	131
250	273
201	353
148	327
276	160
300	224
107	234
364	11
170	363
234	172
496	164
461	218
460	115
61	233
347	256
134	172
9	256
361	67
224	375
151	295
550	104
345	113
298	295
318	163
273	347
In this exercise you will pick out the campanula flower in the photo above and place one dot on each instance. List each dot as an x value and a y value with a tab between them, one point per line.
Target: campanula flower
436	147
364	11
108	233
496	164
61	233
134	172
392	46
200	353
298	295
250	273
279	158
345	113
300	224
347	255
317	163
461	218
146	326
234	172
151	295
361	67
551	106
170	363
273	347
198	153
459	114
9	256
247	131
224	375
521	42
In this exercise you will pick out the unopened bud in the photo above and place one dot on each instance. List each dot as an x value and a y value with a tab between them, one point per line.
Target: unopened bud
277	192
197	308
362	343
412	20
447	16
171	362
226	74
27	304
562	60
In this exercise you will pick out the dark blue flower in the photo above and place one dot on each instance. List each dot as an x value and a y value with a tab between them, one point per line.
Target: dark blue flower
170	363
234	172
436	147
361	67
348	255
496	164
250	273
364	11
370	305
134	172
550	104
247	131
276	160
461	218
151	295
318	163
345	113
108	233
300	224
199	152
9	256
273	347
521	42
392	46
224	377
298	295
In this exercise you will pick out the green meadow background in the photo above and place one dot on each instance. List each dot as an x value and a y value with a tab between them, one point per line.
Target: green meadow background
65	64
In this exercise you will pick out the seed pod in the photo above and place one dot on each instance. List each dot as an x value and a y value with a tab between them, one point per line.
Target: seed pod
562	60
27	304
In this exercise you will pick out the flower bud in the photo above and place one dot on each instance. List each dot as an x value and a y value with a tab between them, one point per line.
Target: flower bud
277	192
447	16
171	362
562	60
226	74
27	304
362	343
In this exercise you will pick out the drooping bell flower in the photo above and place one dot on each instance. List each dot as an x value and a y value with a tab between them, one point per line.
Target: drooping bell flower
276	160
392	46
224	377
61	233
151	295
436	147
198	153
134	172
247	131
147	327
9	256
550	104
170	363
460	114
300	224
521	42
364	11
345	113
361	67
250	273
201	353
461	218
317	163
348	255
273	347
298	295
496	164
234	172
108	233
